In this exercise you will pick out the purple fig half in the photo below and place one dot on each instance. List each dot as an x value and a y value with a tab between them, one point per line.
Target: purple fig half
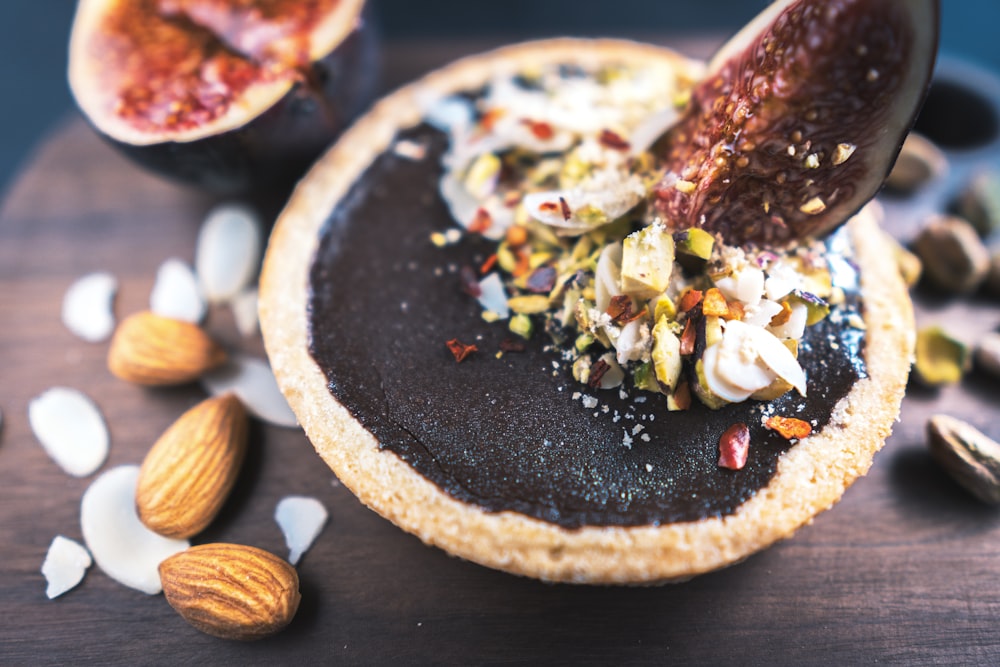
799	118
230	95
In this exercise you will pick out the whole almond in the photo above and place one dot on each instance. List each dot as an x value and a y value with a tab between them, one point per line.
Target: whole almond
231	591
187	475
150	349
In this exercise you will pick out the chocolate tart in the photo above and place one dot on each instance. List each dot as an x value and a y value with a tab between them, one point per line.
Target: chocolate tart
491	459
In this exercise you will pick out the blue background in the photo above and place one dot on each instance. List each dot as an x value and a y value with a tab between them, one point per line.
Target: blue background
34	36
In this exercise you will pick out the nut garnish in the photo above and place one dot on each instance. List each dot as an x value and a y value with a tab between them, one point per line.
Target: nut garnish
969	456
941	358
954	257
187	475
734	447
231	591
88	306
149	349
988	354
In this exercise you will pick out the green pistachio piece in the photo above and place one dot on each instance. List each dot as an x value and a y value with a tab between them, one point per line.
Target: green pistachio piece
521	325
644	377
701	390
528	304
666	354
713	330
481	177
816	311
583	341
581	369
664	306
696	242
941	359
647	261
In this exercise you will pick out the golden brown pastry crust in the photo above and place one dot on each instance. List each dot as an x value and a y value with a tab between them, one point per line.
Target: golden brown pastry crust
810	478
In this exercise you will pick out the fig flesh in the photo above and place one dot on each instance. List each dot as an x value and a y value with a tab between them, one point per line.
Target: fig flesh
799	118
232	95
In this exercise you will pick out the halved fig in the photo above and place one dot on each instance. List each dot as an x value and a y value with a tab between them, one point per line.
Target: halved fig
226	94
799	119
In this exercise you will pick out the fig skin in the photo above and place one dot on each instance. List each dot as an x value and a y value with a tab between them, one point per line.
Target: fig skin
799	118
274	147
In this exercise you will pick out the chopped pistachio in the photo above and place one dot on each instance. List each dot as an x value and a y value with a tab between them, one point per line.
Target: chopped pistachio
666	354
506	257
664	306
644	377
491	316
713	330
701	390
941	359
647	261
581	369
774	390
521	325
583	341
695	241
529	304
816	309
481	177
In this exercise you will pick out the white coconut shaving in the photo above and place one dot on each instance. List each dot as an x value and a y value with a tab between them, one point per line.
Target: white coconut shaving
88	307
176	293
228	251
71	429
253	382
121	545
64	566
301	520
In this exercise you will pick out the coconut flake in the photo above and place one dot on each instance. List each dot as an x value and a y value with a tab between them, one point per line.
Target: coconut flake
122	546
64	566
88	307
253	382
71	429
493	296
176	293
228	251
244	307
301	519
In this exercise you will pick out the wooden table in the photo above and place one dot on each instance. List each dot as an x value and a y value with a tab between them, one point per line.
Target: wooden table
906	569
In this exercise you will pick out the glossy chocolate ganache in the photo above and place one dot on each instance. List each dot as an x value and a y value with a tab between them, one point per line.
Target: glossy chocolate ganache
518	432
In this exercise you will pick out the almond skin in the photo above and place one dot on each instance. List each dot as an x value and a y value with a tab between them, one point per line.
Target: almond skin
231	591
153	350
187	475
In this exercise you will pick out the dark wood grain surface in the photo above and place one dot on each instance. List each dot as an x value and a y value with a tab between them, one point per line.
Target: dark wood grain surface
905	570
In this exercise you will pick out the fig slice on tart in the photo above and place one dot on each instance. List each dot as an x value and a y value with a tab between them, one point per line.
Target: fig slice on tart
799	118
231	95
501	459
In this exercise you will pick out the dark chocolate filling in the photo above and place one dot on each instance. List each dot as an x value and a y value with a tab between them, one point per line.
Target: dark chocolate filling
508	434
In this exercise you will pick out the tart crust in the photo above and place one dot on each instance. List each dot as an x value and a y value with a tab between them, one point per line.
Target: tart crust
810	477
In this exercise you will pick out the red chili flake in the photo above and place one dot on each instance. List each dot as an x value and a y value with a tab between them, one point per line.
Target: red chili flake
481	222
490	118
690	299
564	207
613	140
682	396
688	337
488	264
460	350
789	427
523	263
512	198
469	282
736	311
620	310
542	130
512	345
734	447
597	372
541	280
548	207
